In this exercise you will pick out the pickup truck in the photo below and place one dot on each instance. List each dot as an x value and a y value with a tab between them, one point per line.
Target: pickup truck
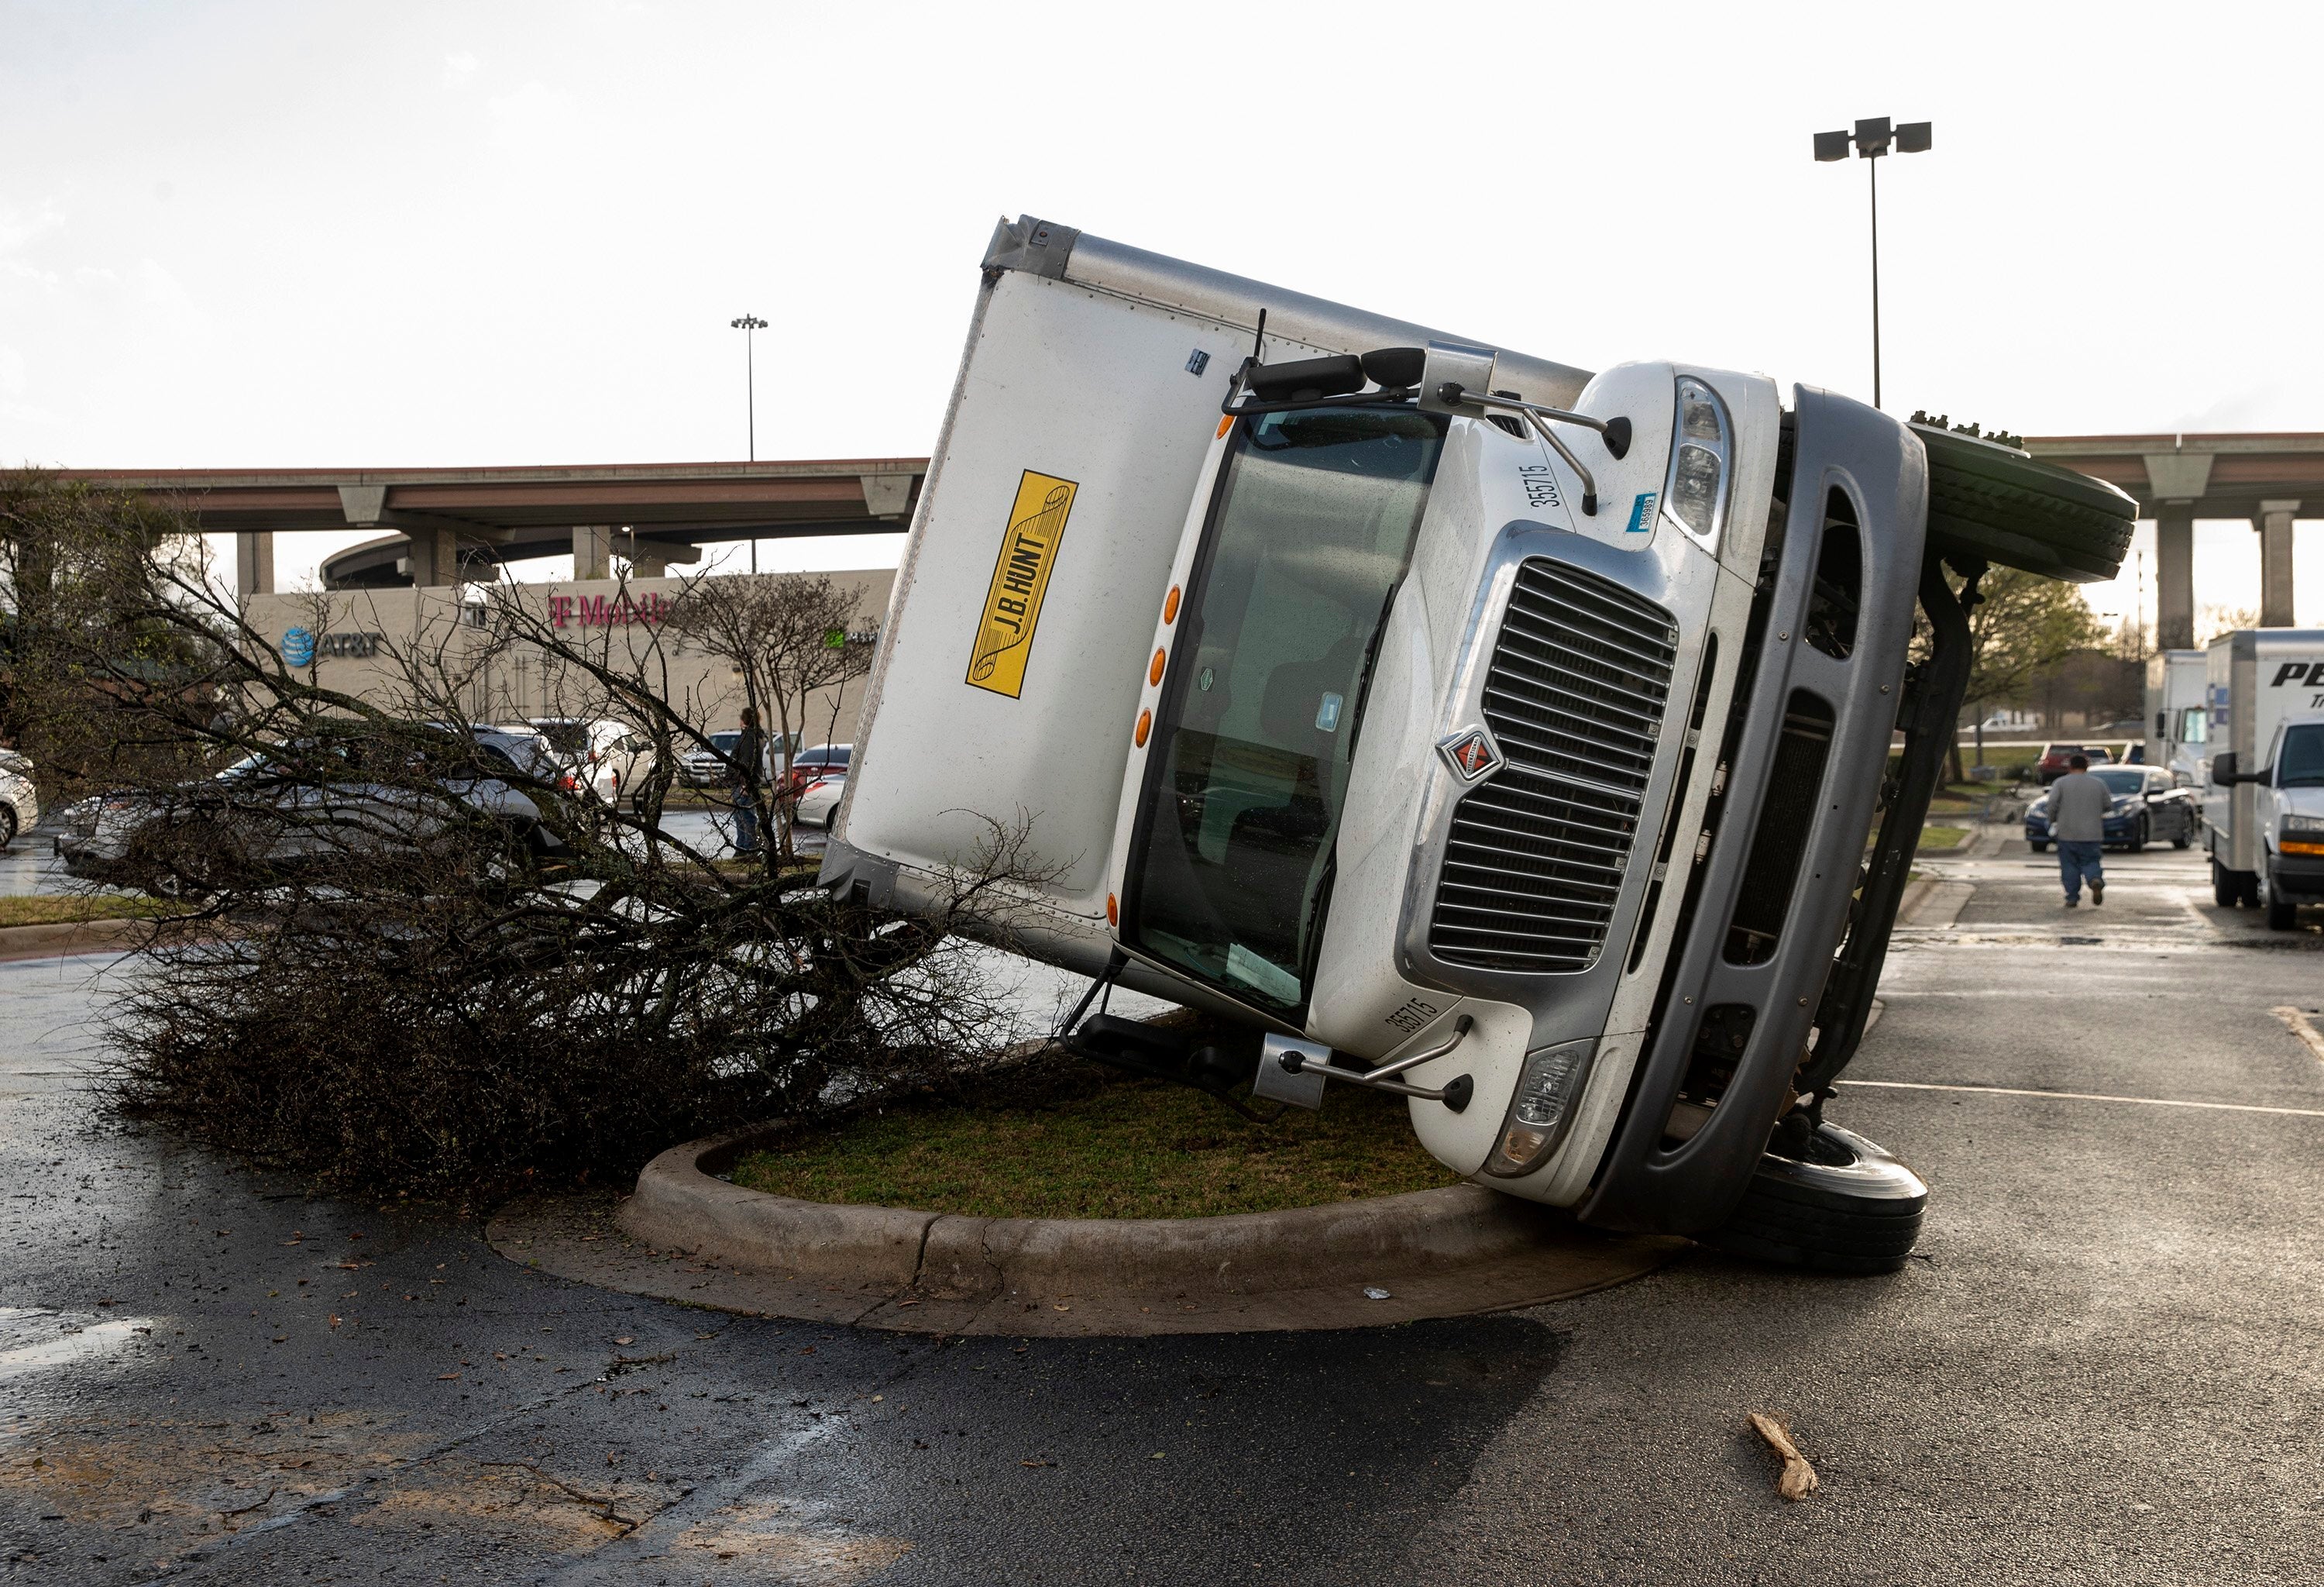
1483	730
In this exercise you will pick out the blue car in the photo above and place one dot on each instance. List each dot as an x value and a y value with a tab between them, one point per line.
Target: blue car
2145	806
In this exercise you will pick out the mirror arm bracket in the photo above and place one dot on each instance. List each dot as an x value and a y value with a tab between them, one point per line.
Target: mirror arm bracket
1615	432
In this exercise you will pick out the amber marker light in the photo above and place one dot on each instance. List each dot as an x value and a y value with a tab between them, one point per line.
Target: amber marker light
1170	606
1154	673
1112	910
1226	425
1145	725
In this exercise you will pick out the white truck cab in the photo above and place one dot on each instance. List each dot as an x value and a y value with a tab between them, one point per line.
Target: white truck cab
2179	714
2264	805
1485	730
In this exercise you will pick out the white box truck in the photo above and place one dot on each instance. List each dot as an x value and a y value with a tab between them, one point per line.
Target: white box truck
2264	804
1483	730
2179	714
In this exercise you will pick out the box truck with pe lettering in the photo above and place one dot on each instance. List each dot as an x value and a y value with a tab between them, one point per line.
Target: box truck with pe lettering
2264	805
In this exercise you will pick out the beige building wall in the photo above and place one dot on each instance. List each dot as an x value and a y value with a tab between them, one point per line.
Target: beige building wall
363	640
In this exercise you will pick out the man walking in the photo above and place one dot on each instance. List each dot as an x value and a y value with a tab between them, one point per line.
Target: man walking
743	780
2077	808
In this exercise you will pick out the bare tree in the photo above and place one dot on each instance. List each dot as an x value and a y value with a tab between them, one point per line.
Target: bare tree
787	638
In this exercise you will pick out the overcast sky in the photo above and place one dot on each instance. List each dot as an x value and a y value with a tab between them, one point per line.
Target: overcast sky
402	233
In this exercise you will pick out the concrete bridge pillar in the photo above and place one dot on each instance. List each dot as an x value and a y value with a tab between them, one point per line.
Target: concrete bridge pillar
2174	575
592	550
434	559
253	563
2274	521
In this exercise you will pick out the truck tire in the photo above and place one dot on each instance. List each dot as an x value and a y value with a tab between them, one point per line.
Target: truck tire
2226	892
1844	1205
2282	913
1997	502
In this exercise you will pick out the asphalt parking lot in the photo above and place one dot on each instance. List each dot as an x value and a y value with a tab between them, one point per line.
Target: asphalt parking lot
2103	1367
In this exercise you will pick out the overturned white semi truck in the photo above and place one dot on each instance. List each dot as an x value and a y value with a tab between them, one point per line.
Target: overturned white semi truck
1484	729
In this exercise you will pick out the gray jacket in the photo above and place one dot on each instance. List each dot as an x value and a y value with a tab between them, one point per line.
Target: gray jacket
2077	808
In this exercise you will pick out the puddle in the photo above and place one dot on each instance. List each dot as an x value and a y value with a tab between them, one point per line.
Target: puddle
33	1339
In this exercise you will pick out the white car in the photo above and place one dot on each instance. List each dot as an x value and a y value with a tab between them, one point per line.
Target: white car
818	803
600	754
19	802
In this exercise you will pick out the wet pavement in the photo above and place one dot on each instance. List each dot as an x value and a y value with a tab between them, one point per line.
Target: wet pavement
2102	1369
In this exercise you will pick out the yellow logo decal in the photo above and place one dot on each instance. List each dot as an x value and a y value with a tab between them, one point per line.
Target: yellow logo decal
1020	578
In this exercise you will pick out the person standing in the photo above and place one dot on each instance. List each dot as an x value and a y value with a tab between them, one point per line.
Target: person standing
742	780
2077	808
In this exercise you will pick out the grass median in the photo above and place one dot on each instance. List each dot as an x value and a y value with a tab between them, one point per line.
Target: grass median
78	908
1131	1148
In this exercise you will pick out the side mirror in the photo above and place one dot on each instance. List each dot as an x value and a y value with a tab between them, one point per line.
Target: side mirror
2223	770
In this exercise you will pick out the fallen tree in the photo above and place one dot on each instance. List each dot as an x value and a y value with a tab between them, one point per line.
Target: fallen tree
409	958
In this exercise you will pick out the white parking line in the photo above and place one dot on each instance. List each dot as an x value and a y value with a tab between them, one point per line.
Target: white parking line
2088	1096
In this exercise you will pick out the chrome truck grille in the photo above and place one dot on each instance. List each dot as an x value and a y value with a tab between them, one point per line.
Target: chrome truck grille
1574	698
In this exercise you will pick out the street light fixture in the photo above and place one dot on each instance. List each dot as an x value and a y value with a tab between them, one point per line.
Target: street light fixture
1872	139
748	325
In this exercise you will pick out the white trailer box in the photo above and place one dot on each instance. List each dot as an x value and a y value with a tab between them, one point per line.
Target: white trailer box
2178	713
2263	802
1486	732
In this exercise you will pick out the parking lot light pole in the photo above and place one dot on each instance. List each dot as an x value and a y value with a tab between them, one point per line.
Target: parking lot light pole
748	325
1871	139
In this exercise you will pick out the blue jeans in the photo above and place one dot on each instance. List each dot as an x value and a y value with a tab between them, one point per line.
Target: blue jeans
746	824
2077	863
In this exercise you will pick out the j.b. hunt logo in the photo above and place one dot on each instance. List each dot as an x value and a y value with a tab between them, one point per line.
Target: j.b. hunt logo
1020	580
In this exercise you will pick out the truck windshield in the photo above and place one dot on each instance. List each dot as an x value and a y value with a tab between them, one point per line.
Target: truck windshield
1309	538
2302	764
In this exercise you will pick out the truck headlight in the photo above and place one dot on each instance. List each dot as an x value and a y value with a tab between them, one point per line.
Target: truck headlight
1701	454
1542	1108
2304	825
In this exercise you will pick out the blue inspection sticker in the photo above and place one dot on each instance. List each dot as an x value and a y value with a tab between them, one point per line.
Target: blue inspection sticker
1642	512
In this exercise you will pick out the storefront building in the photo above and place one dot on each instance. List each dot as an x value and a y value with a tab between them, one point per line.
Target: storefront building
476	645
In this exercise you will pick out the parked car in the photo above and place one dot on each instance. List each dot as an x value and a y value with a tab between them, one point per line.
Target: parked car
19	802
2054	758
819	802
809	765
2148	806
596	753
272	810
527	751
701	768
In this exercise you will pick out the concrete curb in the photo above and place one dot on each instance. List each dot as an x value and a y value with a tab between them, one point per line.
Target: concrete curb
689	1235
59	938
